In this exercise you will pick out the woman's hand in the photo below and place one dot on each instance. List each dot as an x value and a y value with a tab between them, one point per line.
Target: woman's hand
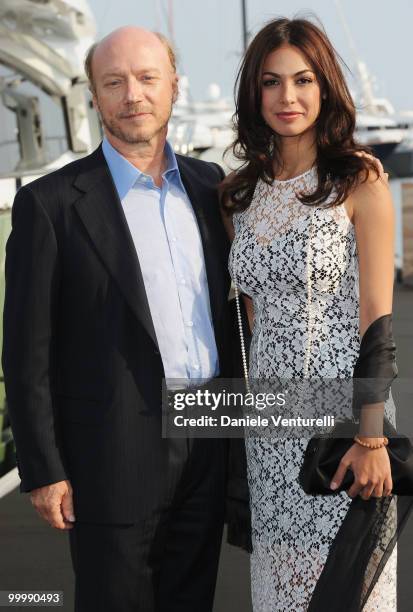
371	469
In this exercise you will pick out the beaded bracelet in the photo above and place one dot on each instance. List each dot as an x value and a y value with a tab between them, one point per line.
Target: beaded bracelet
371	446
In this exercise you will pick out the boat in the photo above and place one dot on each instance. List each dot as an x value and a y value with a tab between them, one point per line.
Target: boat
42	48
44	44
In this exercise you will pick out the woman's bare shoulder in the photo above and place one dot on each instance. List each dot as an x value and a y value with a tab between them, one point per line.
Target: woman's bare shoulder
371	196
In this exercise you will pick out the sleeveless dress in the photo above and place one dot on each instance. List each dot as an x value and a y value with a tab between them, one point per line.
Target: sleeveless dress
299	265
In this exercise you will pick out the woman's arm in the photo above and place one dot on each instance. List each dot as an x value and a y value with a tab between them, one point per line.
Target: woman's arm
229	226
372	213
250	310
373	218
374	228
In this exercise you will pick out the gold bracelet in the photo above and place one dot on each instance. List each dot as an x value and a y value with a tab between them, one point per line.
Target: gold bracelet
372	446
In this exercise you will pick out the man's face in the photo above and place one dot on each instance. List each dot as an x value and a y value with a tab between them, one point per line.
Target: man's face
134	86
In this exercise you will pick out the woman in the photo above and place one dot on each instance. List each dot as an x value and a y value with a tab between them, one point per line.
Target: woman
312	226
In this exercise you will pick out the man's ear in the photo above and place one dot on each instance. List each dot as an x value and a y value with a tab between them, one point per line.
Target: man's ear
175	88
94	100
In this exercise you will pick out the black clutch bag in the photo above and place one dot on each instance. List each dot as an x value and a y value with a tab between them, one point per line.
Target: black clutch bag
324	453
373	374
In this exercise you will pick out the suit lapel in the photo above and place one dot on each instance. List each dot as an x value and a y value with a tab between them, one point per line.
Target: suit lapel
102	215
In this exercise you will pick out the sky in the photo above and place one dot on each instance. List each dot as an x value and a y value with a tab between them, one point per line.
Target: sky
208	36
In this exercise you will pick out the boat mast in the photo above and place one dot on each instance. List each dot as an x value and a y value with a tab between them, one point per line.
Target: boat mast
244	24
364	78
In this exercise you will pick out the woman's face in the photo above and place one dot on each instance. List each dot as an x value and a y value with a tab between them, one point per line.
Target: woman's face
290	92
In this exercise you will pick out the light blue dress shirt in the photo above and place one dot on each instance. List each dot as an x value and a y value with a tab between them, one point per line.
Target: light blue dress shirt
169	248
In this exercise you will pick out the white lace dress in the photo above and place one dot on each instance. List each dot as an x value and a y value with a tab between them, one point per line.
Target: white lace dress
299	265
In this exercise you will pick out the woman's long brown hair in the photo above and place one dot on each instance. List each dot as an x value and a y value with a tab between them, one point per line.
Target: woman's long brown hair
256	145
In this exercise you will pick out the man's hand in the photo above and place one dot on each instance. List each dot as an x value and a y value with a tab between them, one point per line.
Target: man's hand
54	503
382	174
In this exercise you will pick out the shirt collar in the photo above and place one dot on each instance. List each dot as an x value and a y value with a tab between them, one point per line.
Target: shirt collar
125	175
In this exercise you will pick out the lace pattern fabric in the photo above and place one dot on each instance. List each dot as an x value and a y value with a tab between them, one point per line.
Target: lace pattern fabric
299	265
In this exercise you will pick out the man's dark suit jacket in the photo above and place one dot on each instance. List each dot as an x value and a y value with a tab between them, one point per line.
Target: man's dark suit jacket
82	367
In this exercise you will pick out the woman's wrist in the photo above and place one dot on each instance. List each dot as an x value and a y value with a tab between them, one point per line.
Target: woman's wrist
371	421
371	443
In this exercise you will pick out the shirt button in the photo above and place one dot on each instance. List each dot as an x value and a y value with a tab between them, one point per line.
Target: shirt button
173	239
183	281
189	324
196	366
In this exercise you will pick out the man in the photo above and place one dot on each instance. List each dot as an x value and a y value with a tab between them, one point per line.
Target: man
116	276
